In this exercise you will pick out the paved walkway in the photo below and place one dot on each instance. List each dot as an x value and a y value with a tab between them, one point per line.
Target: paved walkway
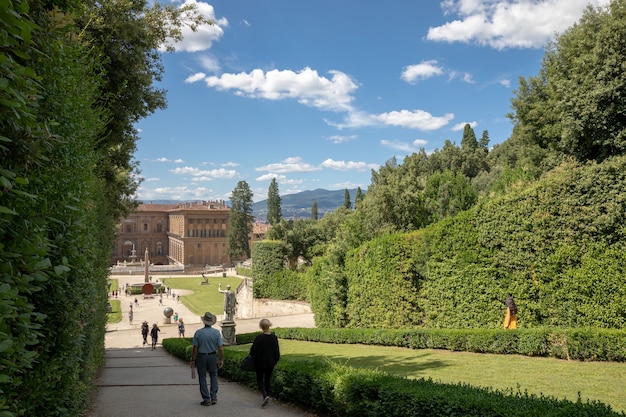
137	381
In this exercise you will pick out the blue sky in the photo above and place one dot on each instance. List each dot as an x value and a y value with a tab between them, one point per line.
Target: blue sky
318	93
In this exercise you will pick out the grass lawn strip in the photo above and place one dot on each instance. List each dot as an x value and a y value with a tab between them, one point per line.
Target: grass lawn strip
115	316
595	381
203	297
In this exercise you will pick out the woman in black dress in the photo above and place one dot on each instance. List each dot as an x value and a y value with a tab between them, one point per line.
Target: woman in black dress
266	354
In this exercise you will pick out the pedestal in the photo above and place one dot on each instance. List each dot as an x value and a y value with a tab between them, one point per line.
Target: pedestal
228	332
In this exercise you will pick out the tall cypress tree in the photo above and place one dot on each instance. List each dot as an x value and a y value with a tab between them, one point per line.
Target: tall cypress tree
346	199
469	142
239	221
314	211
274	211
358	198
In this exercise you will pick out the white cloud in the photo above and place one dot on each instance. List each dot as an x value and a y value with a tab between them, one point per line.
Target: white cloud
165	159
460	126
293	164
198	76
210	63
404	146
468	78
341	138
416	119
421	71
306	86
508	23
175	193
354	119
203	38
343	185
348	165
205	175
506	83
281	179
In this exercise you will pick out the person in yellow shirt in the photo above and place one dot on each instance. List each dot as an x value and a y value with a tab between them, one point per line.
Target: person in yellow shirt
510	320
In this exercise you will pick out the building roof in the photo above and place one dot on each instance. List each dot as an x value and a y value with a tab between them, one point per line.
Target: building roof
194	205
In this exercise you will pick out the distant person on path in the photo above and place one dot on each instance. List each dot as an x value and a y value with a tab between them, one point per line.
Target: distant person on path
175	317
230	300
145	329
181	328
266	353
154	333
130	316
207	355
510	319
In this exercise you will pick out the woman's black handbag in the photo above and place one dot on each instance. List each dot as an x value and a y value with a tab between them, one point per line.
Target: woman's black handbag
248	364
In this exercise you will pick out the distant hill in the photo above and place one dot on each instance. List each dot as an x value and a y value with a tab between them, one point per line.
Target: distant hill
295	206
298	206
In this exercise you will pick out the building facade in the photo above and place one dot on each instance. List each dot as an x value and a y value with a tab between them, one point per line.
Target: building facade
191	235
187	234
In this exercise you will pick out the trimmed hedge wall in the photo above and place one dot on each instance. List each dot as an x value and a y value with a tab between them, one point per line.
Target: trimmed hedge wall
576	344
338	390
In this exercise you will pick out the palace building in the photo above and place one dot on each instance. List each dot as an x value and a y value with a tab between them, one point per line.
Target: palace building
184	234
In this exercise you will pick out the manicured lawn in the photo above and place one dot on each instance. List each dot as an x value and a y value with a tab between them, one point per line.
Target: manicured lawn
114	285
596	381
204	297
115	316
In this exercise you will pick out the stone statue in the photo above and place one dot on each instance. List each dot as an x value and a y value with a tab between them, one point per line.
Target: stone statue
230	301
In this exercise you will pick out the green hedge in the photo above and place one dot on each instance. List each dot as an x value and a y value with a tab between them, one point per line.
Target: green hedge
246	272
575	344
338	390
558	245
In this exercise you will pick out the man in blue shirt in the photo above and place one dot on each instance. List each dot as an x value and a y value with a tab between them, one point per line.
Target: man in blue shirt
207	355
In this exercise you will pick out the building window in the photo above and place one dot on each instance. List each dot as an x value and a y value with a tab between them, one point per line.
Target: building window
159	227
159	248
129	228
199	245
145	227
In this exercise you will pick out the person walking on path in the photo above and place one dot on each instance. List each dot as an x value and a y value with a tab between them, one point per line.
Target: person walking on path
181	328
130	316
266	353
154	333
207	355
144	332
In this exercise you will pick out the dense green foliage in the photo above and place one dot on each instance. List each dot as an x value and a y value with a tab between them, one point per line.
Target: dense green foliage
339	390
274	212
576	103
268	259
239	222
556	245
382	277
66	145
54	244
